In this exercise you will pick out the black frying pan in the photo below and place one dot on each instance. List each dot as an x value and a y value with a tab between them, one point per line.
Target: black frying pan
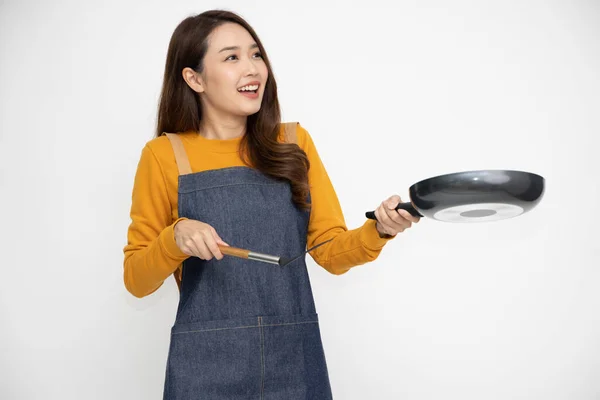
474	196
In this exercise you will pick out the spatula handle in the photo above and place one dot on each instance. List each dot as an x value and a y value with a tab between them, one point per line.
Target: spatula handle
234	251
249	255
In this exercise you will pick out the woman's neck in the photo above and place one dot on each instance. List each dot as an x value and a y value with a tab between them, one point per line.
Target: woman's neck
222	127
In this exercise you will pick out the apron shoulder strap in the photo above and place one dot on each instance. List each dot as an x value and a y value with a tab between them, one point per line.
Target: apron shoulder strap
290	132
180	155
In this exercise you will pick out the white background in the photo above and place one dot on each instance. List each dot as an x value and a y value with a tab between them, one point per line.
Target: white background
392	93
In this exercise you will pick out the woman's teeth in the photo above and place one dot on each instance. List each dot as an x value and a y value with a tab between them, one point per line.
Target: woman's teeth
249	88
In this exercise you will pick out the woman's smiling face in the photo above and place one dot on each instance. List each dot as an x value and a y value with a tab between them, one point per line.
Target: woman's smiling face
233	75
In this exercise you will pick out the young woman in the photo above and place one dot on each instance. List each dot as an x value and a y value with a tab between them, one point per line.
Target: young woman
222	170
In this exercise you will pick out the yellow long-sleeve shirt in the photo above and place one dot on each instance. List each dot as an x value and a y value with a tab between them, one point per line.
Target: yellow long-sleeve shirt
151	253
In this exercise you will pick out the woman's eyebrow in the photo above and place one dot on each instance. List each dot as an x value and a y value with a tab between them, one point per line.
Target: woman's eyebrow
228	48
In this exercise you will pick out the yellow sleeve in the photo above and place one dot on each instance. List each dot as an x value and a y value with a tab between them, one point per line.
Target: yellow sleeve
349	248
151	253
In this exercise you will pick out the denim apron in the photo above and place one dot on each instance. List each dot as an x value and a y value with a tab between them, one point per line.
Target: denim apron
245	329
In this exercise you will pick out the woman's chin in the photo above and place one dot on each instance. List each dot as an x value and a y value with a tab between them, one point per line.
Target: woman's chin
248	111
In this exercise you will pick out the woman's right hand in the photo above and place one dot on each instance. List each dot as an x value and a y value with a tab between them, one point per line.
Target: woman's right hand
196	238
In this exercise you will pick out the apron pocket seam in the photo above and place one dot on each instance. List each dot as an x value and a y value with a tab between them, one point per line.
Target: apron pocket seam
262	359
292	323
216	329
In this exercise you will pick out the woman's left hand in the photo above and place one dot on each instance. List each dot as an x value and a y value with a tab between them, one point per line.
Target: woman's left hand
391	221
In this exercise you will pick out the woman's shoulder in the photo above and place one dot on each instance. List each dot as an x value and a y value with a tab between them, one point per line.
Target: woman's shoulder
294	132
161	148
162	144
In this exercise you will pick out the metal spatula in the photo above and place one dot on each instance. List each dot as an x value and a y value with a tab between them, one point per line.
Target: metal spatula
252	255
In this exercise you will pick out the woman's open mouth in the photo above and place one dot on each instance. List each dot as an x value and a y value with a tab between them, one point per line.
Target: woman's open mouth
250	91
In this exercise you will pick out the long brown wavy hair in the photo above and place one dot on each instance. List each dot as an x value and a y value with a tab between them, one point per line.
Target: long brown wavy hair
180	110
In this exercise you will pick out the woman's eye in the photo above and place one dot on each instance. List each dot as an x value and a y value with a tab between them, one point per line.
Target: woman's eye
233	57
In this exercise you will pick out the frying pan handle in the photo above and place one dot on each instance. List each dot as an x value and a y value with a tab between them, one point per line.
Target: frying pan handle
402	206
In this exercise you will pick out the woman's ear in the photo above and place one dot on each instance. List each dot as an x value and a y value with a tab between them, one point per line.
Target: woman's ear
193	79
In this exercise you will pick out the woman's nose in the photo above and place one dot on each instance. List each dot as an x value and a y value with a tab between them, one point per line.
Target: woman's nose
250	67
